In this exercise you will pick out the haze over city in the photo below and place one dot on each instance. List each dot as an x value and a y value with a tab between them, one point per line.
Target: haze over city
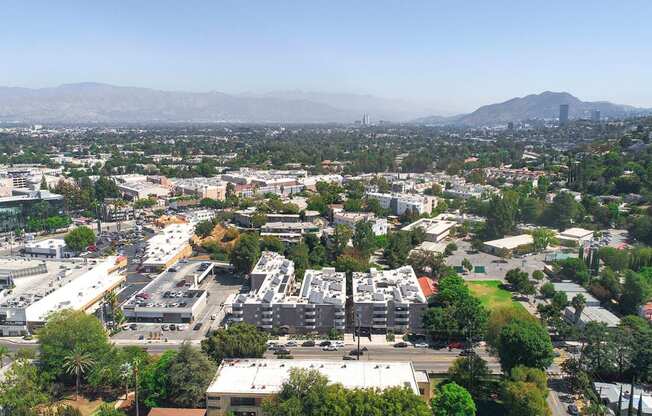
442	57
326	208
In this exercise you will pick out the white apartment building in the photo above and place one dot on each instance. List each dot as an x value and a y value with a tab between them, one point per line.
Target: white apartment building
399	203
388	300
274	302
378	225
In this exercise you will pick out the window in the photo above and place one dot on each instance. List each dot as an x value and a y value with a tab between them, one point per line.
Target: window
243	401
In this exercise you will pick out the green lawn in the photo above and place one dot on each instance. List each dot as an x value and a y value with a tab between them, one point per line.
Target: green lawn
491	295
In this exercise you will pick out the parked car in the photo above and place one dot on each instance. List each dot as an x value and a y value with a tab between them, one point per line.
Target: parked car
401	344
291	344
465	353
421	345
456	346
348	358
573	410
197	326
355	353
309	343
282	351
165	327
329	348
324	343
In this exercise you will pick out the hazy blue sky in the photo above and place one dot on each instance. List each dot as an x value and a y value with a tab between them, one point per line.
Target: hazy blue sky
456	55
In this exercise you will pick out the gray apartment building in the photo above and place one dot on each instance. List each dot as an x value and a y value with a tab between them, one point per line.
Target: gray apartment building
388	300
275	301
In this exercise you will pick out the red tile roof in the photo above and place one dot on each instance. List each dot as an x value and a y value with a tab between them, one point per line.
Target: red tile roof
428	286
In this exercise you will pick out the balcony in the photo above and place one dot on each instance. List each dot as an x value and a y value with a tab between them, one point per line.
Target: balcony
310	320
311	312
380	319
237	312
402	319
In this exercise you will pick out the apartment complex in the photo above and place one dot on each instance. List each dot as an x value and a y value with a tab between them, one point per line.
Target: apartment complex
274	302
388	300
240	386
378	225
398	204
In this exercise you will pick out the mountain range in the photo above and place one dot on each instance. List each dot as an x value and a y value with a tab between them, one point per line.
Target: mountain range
102	103
535	107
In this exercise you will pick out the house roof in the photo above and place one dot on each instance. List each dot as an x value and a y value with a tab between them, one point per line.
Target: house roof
428	286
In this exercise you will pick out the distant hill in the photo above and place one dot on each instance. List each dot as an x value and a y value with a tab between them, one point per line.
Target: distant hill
102	103
536	106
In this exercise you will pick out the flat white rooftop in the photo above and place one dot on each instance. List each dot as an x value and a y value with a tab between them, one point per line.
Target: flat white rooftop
68	284
266	376
379	286
510	243
167	243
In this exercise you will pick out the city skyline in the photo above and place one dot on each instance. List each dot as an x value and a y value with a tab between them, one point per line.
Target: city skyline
445	58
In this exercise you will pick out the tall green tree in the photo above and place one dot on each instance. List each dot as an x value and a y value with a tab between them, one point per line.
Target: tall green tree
65	331
80	238
524	343
239	340
245	254
453	400
190	373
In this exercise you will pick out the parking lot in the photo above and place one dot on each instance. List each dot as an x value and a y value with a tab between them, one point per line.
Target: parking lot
218	287
495	267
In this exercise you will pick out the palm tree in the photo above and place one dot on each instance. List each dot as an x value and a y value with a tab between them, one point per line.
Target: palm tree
578	303
4	352
77	363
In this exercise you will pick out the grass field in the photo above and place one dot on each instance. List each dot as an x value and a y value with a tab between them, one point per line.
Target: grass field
491	294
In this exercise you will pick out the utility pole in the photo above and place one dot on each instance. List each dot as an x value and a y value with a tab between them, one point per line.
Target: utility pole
358	330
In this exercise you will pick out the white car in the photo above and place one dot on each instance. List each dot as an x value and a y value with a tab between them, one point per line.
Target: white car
329	348
421	345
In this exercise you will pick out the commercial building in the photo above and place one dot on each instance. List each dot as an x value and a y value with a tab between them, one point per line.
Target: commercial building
240	386
51	248
591	314
573	289
213	188
136	190
378	225
167	247
397	204
23	204
114	210
172	297
436	230
318	306
388	300
563	114
508	245
574	236
31	289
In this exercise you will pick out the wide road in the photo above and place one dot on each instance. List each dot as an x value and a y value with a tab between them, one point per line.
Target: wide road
436	361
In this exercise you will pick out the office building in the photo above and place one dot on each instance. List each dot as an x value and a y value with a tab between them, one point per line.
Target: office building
16	209
240	386
388	300
274	302
563	114
595	116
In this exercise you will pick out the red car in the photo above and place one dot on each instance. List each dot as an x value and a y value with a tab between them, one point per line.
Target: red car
456	345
